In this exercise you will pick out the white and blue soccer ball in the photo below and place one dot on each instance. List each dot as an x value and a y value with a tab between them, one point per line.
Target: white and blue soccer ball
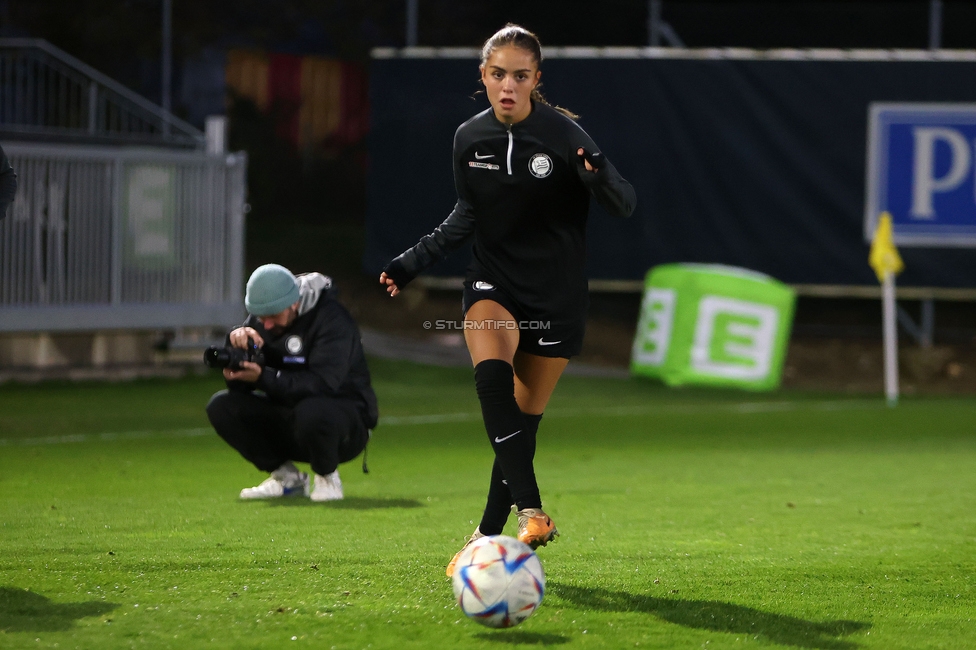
498	581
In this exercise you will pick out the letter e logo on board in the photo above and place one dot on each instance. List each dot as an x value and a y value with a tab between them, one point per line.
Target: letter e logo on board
734	339
654	329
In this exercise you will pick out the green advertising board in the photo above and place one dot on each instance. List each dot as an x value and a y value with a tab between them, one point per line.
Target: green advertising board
149	210
713	325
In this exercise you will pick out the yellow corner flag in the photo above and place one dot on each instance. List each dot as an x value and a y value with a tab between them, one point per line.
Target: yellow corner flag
884	256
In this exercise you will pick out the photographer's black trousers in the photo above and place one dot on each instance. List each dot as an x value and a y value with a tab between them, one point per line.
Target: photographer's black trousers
322	431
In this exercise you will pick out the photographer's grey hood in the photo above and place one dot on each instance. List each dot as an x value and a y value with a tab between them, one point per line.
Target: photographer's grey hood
311	288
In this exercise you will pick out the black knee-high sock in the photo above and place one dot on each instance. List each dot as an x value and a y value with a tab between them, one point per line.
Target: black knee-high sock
506	427
500	500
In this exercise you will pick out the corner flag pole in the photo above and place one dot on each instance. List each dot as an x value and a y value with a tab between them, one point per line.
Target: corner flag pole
890	338
886	262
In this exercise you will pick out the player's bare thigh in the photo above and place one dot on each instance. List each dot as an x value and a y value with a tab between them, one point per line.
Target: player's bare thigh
535	376
491	332
535	379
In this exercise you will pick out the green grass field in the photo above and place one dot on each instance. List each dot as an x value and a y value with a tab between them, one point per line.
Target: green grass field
689	519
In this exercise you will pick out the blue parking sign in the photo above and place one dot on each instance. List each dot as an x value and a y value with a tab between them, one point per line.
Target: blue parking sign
922	170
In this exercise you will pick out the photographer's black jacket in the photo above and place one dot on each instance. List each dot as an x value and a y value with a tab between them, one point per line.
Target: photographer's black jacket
320	354
8	183
524	193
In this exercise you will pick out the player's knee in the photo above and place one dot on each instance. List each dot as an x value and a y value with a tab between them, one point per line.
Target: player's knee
494	379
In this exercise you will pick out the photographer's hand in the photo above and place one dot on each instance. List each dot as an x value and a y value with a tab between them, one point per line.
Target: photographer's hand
239	337
249	372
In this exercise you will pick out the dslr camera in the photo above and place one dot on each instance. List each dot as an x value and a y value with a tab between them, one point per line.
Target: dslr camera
231	357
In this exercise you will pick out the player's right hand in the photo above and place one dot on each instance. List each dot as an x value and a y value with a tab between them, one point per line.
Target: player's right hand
239	337
387	281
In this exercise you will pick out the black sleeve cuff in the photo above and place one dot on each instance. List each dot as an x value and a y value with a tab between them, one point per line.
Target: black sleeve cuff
266	379
596	159
396	271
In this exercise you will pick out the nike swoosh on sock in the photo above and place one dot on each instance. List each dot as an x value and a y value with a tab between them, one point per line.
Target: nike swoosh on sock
511	435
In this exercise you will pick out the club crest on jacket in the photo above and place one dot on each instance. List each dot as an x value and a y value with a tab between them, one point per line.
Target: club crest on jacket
294	344
540	165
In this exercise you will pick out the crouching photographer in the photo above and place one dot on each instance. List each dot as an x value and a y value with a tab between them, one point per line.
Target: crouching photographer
298	389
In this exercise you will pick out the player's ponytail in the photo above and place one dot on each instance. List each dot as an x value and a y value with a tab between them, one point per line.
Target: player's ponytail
514	35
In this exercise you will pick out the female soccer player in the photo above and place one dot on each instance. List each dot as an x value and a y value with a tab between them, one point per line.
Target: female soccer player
524	172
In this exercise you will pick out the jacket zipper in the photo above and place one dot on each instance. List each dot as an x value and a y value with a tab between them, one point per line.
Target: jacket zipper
509	149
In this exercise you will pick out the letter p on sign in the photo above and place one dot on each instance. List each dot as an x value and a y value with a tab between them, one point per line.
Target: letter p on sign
922	170
925	181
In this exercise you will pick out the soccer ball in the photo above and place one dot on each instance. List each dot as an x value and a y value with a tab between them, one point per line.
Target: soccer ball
498	581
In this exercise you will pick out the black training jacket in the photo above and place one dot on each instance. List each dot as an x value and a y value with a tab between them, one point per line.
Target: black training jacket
8	183
320	354
524	193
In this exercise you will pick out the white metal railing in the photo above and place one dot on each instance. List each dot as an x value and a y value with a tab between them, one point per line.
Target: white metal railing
706	53
47	93
102	237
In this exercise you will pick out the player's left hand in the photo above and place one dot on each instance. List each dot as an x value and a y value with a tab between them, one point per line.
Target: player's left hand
249	372
391	287
592	161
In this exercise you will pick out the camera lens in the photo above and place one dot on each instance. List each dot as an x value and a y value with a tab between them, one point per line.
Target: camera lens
216	357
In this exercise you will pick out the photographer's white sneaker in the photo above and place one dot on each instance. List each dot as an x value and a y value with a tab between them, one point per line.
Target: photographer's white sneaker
327	488
275	486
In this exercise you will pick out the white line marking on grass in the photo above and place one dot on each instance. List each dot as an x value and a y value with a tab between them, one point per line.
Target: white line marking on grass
429	419
122	435
645	409
742	408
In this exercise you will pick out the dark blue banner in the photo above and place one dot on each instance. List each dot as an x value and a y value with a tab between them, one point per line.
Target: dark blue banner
753	163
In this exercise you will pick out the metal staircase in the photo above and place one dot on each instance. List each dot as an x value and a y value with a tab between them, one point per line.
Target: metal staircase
48	95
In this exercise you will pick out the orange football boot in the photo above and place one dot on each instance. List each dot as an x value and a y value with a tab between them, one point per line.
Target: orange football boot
476	535
535	528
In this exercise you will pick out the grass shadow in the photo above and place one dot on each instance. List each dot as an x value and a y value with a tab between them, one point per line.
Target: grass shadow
523	638
717	616
24	611
350	503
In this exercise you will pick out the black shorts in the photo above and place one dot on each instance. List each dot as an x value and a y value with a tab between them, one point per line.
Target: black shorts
539	335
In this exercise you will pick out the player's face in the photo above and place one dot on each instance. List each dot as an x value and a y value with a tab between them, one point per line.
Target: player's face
510	74
278	323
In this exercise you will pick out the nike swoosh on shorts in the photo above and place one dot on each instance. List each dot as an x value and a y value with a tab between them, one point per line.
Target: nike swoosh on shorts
480	157
541	342
511	435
